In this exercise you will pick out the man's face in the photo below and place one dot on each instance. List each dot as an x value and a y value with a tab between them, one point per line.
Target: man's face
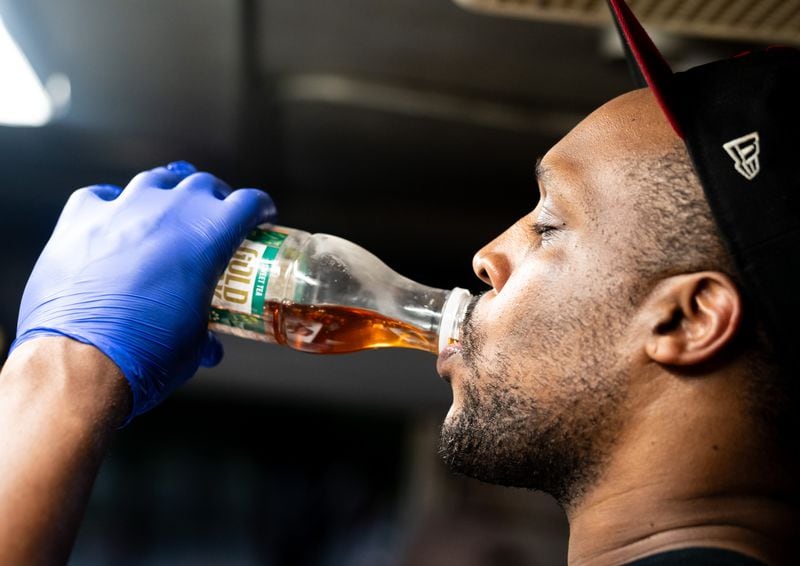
542	377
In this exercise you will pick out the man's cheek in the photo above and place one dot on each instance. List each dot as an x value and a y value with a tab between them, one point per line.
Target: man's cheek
516	295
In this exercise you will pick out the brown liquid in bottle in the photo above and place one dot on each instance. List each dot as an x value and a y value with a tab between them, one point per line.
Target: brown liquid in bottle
331	329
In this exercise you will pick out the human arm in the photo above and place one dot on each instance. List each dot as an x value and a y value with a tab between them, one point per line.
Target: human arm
60	402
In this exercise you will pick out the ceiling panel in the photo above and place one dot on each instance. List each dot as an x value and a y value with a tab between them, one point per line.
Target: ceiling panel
770	21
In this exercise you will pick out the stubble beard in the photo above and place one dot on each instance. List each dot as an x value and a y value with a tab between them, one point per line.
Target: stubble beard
502	432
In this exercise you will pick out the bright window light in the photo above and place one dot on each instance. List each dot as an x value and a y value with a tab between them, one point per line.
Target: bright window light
23	99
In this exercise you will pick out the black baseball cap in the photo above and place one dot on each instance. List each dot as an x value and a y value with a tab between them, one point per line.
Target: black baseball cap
740	121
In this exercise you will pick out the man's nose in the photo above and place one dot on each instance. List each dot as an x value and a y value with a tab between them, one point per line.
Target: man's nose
492	265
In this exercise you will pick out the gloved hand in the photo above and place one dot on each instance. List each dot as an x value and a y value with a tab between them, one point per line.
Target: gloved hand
132	272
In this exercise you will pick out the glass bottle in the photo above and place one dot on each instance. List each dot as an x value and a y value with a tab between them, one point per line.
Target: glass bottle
323	294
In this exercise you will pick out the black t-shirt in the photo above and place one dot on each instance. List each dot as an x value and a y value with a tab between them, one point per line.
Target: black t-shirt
697	557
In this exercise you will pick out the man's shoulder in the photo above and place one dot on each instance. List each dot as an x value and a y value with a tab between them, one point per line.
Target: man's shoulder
698	556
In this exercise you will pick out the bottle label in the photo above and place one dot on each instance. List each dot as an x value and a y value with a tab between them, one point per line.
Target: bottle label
240	295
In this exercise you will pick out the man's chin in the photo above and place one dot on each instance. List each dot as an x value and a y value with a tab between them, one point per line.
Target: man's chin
471	447
461	447
452	416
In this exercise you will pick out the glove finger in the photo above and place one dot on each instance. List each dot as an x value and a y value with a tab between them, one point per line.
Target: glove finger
247	208
212	352
183	168
86	196
105	192
205	182
161	177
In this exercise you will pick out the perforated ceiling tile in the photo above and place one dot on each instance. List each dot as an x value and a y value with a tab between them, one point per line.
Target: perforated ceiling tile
769	21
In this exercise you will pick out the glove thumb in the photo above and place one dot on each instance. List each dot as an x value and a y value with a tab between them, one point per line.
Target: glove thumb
212	351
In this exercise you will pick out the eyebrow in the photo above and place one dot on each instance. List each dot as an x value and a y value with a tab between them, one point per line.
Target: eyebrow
545	181
542	173
548	179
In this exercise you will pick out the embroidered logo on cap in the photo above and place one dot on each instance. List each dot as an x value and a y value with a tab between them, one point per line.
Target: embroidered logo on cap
744	152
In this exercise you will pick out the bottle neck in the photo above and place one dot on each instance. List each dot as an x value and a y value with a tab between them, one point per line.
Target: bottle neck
453	314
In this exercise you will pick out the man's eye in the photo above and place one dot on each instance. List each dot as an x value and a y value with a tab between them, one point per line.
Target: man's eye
544	231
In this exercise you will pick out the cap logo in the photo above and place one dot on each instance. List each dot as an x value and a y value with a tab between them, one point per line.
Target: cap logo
744	152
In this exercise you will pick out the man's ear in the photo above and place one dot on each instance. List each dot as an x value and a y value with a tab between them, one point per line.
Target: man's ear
693	318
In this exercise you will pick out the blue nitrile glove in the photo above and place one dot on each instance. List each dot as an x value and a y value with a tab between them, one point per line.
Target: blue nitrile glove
133	271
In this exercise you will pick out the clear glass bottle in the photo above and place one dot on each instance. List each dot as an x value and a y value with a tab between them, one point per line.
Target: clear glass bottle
323	294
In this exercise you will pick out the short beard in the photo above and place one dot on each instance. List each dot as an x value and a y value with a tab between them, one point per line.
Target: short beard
503	435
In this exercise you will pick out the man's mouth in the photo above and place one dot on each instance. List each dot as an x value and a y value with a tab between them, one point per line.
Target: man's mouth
447	355
444	356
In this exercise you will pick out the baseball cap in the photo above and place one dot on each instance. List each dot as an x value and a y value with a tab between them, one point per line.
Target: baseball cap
740	121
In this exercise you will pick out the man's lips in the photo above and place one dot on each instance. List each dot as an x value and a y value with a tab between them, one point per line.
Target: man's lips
452	353
442	363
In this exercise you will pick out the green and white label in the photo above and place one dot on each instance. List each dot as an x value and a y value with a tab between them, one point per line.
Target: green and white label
241	291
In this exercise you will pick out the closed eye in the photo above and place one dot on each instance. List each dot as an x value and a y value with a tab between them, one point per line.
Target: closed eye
544	231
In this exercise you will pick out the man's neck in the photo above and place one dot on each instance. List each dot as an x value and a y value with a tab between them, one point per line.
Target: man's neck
687	473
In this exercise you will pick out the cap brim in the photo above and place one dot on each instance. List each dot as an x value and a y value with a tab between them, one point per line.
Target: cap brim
652	65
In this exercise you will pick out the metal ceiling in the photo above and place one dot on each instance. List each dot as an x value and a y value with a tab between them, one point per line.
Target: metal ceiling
770	21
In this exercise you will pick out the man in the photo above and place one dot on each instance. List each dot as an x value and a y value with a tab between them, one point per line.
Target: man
633	357
630	358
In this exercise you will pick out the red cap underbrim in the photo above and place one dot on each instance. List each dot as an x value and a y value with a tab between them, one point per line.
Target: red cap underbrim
651	63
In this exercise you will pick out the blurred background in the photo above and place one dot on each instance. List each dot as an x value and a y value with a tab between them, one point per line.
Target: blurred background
410	127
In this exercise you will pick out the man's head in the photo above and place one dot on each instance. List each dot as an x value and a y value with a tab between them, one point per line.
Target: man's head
616	285
656	271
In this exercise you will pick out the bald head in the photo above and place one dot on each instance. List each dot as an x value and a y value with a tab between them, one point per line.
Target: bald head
637	171
625	127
